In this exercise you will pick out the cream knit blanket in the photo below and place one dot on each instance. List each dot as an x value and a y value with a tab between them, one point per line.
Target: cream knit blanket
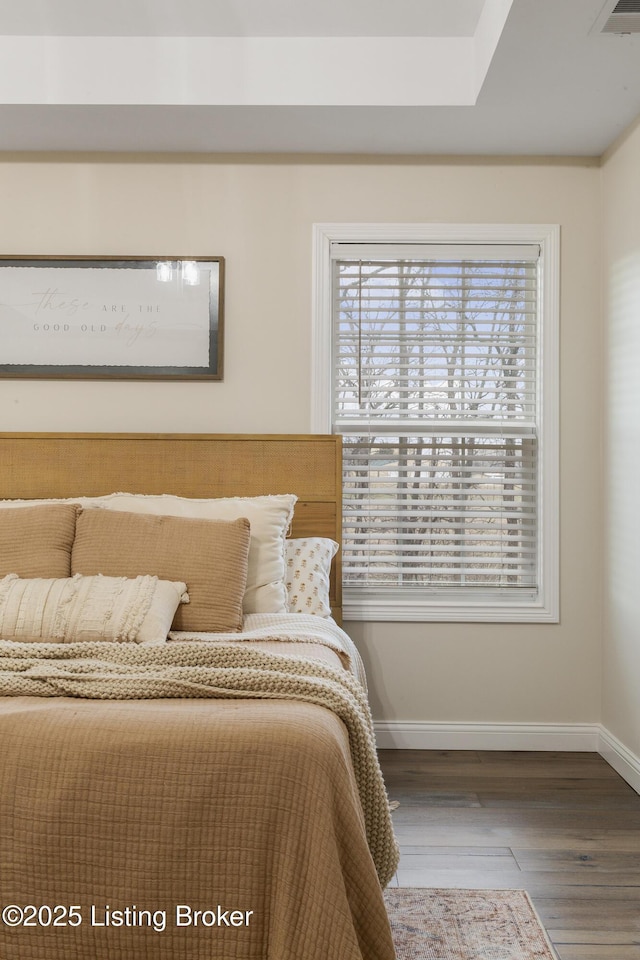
122	671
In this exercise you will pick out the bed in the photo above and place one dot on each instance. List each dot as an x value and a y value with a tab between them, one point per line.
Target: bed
210	796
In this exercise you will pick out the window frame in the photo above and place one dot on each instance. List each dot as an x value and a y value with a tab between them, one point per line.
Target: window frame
545	607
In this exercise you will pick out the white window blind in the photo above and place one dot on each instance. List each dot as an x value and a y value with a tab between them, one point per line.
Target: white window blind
436	391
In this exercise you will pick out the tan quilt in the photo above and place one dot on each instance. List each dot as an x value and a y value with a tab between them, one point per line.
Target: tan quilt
237	813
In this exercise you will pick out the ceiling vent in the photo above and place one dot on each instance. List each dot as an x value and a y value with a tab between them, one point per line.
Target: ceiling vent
623	18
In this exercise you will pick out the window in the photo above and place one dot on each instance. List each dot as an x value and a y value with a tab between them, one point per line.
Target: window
436	359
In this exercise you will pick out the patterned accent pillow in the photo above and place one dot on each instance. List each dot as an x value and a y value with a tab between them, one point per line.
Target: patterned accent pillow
308	568
71	609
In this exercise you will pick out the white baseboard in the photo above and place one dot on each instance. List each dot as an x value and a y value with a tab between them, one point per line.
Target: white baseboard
399	735
623	761
583	737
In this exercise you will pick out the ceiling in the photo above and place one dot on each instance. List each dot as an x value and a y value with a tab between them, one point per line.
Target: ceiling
498	77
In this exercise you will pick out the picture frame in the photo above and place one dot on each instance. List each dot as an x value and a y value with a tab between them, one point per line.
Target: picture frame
134	318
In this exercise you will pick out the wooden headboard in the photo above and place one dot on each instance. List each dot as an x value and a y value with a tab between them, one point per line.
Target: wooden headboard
37	465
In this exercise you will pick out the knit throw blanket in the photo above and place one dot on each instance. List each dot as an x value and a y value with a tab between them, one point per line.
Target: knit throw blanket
125	671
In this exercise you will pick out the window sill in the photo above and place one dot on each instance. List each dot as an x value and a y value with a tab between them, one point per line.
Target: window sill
448	611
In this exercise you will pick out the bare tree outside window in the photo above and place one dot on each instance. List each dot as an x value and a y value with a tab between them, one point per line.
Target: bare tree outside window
435	394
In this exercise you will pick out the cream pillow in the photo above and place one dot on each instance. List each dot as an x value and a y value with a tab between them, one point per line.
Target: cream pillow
269	518
71	609
308	574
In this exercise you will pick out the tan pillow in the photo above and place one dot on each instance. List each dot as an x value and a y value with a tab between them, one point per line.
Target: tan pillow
269	517
210	556
37	541
88	609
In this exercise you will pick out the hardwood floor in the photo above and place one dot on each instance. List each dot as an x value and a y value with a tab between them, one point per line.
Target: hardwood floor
563	826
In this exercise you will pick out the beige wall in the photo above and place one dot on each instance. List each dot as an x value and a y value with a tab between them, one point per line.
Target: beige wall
621	651
258	214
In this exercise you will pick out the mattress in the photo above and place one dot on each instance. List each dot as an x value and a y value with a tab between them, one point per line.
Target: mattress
232	814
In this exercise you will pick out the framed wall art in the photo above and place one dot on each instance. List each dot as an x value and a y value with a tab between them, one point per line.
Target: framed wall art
137	318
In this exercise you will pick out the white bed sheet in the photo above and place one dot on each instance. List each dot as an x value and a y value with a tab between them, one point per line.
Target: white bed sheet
289	628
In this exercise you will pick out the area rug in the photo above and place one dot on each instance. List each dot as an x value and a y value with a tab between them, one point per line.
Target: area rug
432	924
